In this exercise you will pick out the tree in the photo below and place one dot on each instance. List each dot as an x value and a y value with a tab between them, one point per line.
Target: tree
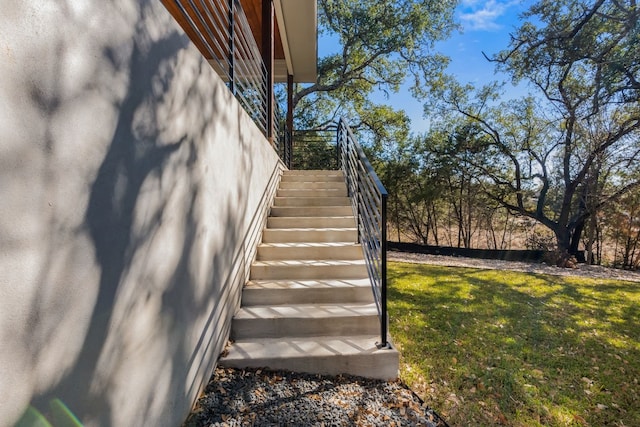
623	223
433	195
381	44
414	178
545	154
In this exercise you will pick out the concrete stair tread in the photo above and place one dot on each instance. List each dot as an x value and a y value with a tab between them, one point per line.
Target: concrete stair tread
311	171
309	235
312	177
298	229
307	311
309	244
308	284
355	355
304	346
286	250
313	211
341	183
315	193
306	291
308	269
321	216
311	201
313	197
311	192
311	221
309	262
311	185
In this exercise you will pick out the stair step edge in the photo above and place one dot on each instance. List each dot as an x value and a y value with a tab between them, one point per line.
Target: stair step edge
305	284
309	262
306	311
355	355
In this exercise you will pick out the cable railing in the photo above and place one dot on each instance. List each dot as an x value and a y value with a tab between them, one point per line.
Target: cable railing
369	203
221	31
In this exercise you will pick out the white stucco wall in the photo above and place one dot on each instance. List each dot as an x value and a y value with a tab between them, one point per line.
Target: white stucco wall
131	194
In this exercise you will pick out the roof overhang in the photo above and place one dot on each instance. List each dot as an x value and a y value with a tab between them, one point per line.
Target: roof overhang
295	34
298	27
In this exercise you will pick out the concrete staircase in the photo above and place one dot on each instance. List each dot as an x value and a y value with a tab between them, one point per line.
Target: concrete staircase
308	306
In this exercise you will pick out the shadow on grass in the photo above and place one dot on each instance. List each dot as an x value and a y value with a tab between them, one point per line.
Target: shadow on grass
496	347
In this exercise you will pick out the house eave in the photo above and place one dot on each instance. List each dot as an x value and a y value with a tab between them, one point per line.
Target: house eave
298	23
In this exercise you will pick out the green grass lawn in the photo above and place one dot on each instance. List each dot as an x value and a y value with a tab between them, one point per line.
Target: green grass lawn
485	347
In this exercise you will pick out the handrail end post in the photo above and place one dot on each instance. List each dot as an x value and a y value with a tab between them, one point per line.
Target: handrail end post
386	345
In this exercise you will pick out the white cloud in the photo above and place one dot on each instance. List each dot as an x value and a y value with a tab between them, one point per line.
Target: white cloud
483	16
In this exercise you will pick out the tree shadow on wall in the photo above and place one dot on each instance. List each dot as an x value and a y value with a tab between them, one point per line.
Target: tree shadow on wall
199	289
133	155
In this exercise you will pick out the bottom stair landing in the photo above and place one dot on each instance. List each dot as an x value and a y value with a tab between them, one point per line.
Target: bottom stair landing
333	355
308	306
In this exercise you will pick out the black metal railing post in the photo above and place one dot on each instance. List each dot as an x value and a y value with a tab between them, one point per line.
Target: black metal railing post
232	49
359	202
383	291
338	149
289	123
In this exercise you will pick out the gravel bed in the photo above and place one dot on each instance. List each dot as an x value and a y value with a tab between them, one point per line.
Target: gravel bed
248	397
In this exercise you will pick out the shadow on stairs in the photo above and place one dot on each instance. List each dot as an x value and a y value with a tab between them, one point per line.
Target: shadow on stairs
308	306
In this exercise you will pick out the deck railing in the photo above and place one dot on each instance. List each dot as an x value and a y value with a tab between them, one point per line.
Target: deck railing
281	136
315	149
369	202
221	31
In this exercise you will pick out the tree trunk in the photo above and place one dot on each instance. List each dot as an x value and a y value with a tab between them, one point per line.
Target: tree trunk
563	240
591	236
575	239
433	219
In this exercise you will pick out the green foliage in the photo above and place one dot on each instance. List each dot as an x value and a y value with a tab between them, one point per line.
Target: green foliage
58	412
434	196
557	158
32	418
381	44
315	149
581	54
487	348
621	222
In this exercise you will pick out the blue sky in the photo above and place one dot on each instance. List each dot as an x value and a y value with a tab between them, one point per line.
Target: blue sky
485	28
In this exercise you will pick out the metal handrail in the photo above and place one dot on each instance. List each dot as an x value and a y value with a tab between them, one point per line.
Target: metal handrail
282	136
287	145
279	132
369	203
316	148
220	29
